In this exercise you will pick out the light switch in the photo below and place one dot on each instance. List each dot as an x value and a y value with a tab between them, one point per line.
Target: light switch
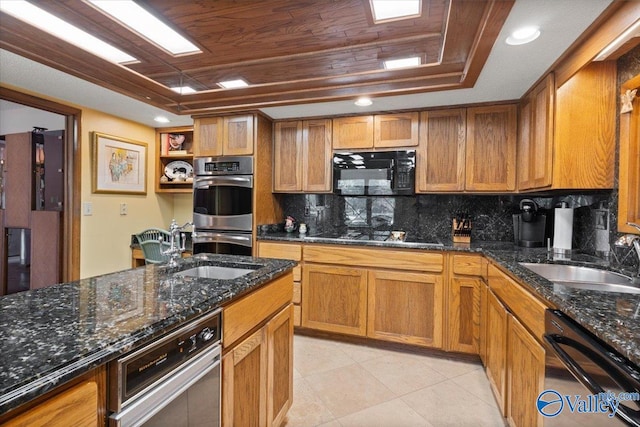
87	208
123	208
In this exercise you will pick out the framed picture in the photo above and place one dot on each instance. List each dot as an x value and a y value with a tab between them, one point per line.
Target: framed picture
119	165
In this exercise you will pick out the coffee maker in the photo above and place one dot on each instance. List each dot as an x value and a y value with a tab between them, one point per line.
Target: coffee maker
529	225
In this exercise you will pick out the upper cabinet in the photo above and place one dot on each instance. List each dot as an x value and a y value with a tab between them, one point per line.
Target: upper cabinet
302	156
224	136
174	165
379	131
491	148
535	147
629	178
441	155
567	134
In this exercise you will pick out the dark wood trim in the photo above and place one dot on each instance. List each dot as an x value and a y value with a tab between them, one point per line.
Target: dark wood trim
71	215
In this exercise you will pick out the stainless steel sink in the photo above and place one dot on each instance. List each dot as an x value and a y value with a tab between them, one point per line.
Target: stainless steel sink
215	272
580	277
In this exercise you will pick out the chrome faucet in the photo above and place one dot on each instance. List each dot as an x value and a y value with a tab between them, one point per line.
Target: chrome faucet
631	240
177	242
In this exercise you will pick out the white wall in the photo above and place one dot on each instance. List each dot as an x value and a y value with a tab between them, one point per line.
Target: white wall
16	118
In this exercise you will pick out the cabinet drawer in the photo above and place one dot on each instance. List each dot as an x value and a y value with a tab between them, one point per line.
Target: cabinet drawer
243	315
527	308
377	258
469	265
280	250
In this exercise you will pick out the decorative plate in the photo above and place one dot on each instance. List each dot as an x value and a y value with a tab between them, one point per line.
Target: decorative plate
172	169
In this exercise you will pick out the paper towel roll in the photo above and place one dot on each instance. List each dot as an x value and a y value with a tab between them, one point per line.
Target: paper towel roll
563	229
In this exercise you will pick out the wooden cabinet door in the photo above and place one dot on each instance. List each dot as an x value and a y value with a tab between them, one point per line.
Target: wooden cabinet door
352	132
491	148
629	178
208	133
280	366
585	129
525	376
334	299
484	306
406	307
441	156
77	406
18	180
244	383
463	318
238	136
317	160
396	130
287	173
535	146
496	349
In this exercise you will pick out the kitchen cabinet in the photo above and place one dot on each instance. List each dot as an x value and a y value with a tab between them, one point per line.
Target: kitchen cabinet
491	148
405	307
441	157
525	375
585	129
224	136
302	156
462	320
244	382
351	133
292	251
379	131
396	130
334	299
496	355
629	175
535	144
257	366
169	161
18	182
81	402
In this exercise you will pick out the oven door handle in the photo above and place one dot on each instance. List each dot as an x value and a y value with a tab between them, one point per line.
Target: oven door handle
153	401
629	415
236	239
231	181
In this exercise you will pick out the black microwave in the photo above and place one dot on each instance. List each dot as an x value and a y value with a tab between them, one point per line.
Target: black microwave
374	173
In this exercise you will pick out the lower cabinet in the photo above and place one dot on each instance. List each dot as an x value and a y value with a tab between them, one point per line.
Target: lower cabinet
525	375
463	318
405	307
257	375
515	365
334	299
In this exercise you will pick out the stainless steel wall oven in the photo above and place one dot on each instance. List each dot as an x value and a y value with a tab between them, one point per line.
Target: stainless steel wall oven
173	381
223	205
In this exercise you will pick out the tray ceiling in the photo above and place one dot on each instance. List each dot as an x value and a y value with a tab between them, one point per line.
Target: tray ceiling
290	52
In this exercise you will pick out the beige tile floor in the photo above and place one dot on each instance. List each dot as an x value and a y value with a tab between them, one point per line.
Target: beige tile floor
344	384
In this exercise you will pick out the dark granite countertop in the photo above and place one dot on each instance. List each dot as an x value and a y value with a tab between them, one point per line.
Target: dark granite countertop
612	317
51	335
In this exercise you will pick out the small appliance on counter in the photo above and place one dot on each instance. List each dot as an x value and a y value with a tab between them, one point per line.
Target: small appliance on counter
529	226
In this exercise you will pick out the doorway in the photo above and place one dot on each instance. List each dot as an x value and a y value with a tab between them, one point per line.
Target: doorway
68	187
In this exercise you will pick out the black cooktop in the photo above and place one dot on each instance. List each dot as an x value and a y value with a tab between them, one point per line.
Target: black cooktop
373	235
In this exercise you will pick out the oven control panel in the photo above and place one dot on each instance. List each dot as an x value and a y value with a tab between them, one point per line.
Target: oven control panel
225	165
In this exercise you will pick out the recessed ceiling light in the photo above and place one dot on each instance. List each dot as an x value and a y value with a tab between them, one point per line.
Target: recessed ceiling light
183	90
384	10
55	26
523	35
363	102
161	119
233	84
138	19
392	64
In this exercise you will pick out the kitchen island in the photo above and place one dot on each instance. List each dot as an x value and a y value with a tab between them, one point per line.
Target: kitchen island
51	336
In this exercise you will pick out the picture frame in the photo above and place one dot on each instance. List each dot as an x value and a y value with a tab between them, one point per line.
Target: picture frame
119	165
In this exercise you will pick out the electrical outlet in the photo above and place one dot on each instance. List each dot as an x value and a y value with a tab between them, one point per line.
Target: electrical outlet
123	208
87	208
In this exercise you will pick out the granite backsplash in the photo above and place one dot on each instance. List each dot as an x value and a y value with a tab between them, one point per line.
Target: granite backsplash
430	216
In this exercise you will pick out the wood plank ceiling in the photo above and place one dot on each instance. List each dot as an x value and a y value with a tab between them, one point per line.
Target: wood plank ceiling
290	51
